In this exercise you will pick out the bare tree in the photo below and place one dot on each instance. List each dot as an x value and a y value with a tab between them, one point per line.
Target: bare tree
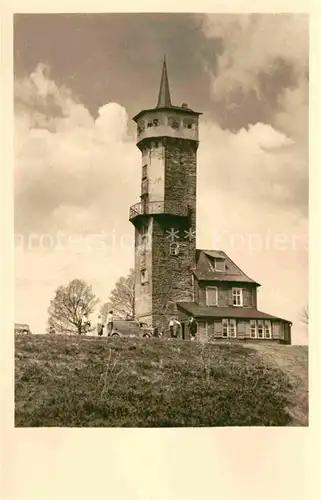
122	298
305	315
69	306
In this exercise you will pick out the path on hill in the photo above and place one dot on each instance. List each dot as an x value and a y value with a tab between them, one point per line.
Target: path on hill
293	361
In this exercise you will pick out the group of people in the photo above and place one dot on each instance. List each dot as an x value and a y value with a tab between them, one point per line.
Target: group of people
176	331
175	327
109	324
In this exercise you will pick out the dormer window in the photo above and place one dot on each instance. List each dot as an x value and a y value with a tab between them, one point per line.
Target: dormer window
217	265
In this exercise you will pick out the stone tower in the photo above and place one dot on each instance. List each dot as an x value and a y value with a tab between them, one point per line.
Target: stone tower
165	218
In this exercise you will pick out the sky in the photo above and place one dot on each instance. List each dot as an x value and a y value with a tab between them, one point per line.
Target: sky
79	80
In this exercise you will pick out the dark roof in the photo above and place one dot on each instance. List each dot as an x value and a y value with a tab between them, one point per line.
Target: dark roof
164	99
199	311
164	96
167	108
232	272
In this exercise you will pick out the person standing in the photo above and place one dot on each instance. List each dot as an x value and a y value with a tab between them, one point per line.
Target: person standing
171	328
100	325
177	328
110	323
192	326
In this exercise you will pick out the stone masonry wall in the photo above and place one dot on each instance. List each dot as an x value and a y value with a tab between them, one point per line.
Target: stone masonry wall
172	274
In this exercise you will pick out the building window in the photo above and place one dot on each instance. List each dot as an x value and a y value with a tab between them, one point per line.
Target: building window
253	329
267	329
232	327
225	327
237	294
260	329
144	172
229	327
217	265
211	296
173	123
143	276
174	248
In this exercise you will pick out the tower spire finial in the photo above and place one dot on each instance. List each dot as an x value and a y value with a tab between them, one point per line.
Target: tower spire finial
164	97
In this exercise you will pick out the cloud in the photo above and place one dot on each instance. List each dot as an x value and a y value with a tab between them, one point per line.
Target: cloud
66	158
259	164
254	45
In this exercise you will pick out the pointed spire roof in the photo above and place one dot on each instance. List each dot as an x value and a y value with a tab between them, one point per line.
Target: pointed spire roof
164	97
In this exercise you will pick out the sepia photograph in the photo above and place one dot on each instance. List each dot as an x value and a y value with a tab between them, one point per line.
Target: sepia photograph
161	195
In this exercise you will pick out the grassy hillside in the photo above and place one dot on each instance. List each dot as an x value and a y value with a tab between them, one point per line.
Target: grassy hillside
92	382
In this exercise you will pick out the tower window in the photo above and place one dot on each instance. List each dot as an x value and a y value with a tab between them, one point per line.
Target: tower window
144	172
143	277
149	124
155	122
174	248
175	124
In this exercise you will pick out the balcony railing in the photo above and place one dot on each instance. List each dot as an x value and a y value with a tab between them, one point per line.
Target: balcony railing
156	207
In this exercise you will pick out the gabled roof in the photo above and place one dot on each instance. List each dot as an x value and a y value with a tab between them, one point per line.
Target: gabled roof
199	311
205	271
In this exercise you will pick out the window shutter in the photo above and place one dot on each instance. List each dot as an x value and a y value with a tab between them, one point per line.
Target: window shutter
230	297
241	329
217	328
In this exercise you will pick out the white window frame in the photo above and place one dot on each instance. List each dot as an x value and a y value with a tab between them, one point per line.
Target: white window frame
237	292
267	329
225	325
216	295
255	329
230	327
260	328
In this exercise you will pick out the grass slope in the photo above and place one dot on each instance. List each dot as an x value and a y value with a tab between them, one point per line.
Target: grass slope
93	382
